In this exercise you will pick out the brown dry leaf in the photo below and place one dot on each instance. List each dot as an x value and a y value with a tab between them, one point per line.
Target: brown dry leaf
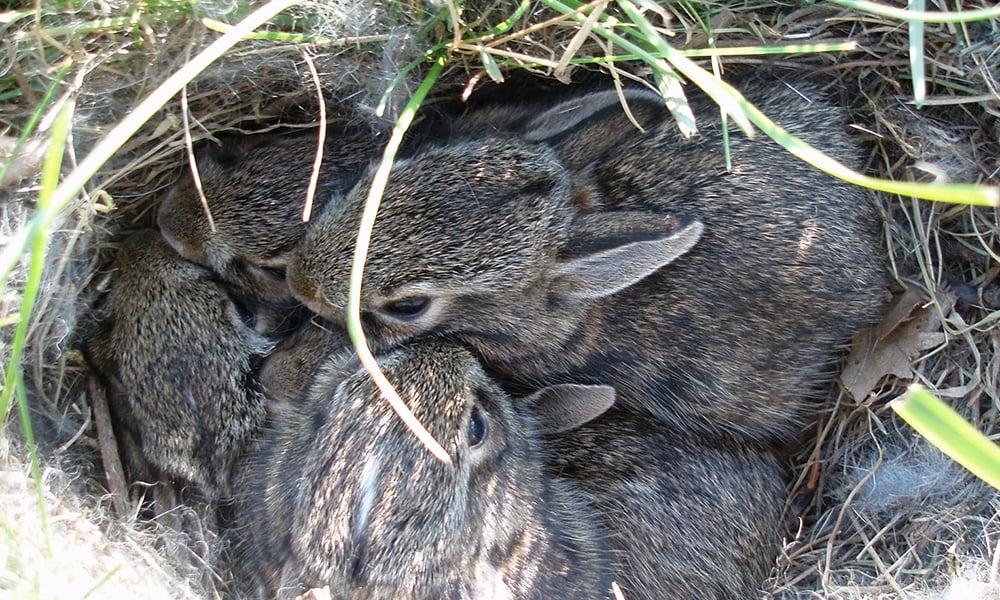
889	348
27	161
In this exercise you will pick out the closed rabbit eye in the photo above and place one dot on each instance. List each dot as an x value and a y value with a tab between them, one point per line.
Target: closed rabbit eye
275	274
407	309
479	427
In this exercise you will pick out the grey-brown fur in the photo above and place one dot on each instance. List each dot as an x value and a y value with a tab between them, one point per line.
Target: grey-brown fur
501	228
341	494
295	360
668	515
686	518
256	188
175	350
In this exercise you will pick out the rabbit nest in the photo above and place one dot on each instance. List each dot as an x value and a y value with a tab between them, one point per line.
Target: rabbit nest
881	513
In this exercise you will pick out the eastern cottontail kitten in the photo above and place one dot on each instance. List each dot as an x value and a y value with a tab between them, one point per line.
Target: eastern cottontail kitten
341	494
176	351
295	360
544	247
255	187
686	518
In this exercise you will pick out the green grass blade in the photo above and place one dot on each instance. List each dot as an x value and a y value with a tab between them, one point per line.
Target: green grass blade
413	64
916	39
354	330
492	69
672	90
724	95
956	193
36	471
110	24
946	429
709	53
720	92
91	593
509	21
849	46
29	126
963	16
37	238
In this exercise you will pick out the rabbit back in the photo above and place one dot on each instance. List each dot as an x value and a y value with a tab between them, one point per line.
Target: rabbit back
176	351
685	518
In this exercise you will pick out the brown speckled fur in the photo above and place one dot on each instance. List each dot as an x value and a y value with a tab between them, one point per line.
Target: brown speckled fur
341	494
176	356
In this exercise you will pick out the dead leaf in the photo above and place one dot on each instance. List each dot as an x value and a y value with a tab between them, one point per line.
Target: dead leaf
27	161
910	326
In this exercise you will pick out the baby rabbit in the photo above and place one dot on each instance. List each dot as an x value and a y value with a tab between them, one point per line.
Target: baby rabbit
255	187
295	360
686	518
175	350
341	494
544	245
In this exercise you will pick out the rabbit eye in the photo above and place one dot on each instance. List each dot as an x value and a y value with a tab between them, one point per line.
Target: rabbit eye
408	308
479	427
276	272
257	271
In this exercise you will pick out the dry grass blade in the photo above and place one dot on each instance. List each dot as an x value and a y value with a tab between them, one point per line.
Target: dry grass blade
320	142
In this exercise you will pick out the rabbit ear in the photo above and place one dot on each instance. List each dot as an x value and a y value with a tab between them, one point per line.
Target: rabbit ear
632	247
569	405
268	279
583	129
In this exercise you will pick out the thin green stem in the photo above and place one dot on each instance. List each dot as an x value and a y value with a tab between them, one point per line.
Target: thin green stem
956	193
354	328
916	48
903	14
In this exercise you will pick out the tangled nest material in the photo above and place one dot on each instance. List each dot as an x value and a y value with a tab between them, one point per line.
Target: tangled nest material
882	514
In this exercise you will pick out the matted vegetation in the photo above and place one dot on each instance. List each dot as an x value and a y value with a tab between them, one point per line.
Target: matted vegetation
878	512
